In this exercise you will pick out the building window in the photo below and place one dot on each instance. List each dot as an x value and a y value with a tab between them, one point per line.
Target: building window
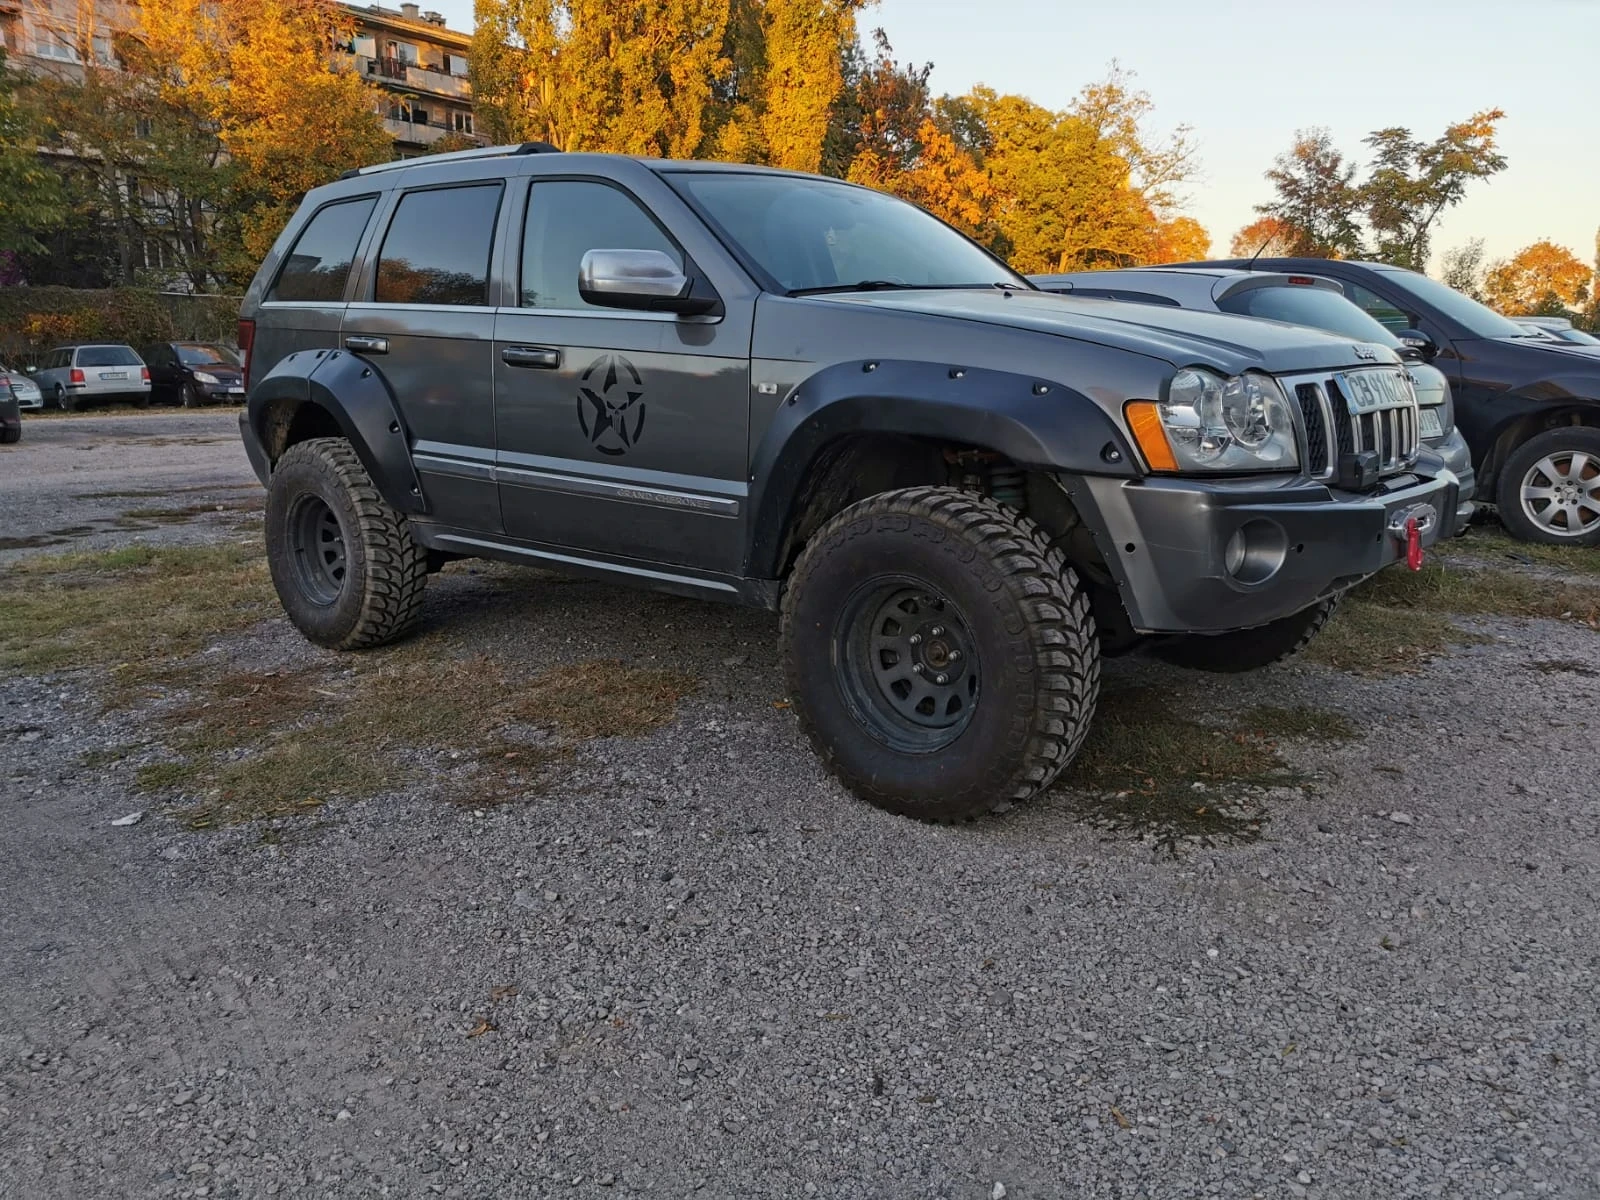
409	113
102	51
54	46
463	122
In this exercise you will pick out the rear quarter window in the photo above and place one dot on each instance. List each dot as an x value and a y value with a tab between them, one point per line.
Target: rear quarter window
437	248
318	263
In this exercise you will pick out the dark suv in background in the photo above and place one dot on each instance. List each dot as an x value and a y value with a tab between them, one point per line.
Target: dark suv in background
1528	407
1308	300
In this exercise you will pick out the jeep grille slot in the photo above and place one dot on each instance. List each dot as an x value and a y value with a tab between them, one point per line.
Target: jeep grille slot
1331	431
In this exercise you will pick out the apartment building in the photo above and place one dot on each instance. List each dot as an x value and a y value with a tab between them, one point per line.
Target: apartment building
52	35
422	64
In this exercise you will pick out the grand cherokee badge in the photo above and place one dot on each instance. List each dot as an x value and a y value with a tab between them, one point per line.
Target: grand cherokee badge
611	404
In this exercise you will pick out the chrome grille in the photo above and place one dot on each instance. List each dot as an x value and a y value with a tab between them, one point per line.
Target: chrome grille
1352	412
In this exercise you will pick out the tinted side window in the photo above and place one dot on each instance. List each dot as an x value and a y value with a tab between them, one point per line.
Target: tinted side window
566	219
437	247
1376	307
319	262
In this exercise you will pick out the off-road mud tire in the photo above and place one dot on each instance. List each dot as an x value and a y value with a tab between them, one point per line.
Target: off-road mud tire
1031	635
1248	649
378	598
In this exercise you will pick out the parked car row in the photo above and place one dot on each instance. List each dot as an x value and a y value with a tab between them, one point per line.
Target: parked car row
74	376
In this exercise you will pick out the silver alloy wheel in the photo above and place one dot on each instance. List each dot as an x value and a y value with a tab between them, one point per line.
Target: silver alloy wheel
1561	493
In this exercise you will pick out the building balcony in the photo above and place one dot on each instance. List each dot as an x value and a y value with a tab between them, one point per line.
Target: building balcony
414	132
409	77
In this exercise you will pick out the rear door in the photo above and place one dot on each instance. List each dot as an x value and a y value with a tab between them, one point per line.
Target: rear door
304	307
424	317
621	433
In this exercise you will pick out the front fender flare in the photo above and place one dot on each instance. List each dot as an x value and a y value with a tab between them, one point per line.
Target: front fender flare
354	393
1033	422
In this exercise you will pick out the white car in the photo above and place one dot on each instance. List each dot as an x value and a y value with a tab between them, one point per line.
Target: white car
73	376
23	388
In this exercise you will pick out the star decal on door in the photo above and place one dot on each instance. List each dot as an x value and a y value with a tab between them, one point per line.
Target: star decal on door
611	404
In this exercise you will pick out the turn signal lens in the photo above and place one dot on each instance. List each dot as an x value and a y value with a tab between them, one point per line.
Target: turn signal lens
1145	422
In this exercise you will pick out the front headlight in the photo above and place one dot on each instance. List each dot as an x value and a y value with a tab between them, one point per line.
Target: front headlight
1208	423
204	377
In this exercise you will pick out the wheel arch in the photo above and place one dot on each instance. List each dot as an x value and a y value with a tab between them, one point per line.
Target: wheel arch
859	428
331	393
1528	425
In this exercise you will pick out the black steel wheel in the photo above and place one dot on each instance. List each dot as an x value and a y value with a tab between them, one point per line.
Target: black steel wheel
344	563
910	669
939	653
316	542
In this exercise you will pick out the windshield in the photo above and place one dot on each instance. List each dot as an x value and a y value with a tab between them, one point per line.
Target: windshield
1464	310
1576	335
108	356
815	234
196	356
1299	304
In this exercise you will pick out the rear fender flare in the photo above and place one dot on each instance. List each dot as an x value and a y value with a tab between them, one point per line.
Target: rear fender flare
1036	423
354	393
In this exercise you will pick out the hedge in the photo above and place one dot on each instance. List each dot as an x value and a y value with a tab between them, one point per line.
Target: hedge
33	319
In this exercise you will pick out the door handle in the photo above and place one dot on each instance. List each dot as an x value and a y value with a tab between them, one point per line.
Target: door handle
531	356
362	344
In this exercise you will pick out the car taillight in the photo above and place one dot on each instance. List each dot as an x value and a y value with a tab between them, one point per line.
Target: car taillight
247	337
144	374
76	376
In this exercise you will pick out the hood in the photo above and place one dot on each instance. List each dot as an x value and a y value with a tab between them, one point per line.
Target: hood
1586	353
1182	337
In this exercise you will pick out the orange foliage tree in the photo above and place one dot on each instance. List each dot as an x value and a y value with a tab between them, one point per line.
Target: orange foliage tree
1543	278
1270	237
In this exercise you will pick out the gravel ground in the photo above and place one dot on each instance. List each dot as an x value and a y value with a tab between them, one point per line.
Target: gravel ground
697	968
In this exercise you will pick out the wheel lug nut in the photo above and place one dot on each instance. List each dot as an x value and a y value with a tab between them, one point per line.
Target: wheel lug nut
917	668
955	656
916	639
937	630
941	679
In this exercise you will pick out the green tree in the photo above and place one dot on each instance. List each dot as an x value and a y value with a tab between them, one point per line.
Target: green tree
35	202
1411	183
1462	268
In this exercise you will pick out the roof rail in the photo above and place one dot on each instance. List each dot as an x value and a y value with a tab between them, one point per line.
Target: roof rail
456	156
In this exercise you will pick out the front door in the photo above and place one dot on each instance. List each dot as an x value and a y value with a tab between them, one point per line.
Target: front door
425	321
620	433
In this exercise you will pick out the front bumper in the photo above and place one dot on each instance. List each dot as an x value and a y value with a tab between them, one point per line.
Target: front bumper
31	403
1458	460
1166	542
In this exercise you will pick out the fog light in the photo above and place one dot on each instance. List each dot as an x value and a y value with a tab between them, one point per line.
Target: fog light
1255	551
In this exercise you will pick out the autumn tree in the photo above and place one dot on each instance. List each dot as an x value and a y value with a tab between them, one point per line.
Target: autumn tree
1266	237
632	78
1318	198
34	200
1541	279
1411	183
1462	268
1392	212
1179	239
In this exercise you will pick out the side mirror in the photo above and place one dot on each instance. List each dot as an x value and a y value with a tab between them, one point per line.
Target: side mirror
1415	340
640	279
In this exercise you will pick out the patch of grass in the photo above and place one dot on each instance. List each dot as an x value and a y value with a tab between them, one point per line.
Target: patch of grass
1372	639
1471	590
110	756
1562	666
127	606
1492	542
263	745
1143	760
603	698
1303	722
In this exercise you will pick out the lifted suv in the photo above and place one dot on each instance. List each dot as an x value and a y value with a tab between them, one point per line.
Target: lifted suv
787	391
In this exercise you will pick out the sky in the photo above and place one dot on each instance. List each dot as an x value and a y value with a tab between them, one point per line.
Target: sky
1246	74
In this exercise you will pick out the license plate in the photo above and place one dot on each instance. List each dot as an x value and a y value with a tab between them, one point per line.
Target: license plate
1431	425
1365	391
238	391
113	374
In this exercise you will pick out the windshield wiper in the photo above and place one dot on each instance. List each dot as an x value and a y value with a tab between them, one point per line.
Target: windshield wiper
894	285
